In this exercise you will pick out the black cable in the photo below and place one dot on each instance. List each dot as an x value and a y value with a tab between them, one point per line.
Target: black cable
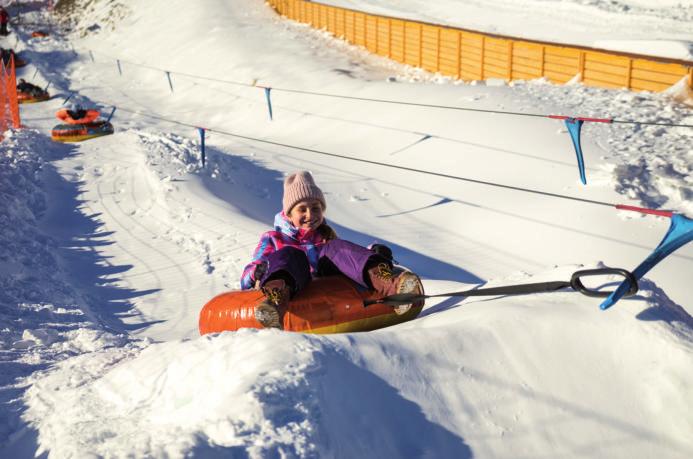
377	163
652	123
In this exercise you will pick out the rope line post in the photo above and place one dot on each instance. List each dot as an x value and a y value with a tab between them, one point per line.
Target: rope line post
170	83
120	71
69	96
108	120
269	102
202	145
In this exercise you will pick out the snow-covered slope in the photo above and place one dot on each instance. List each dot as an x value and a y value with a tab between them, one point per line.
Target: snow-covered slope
111	247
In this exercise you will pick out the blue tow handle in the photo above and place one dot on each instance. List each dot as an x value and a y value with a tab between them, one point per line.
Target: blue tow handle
574	127
679	234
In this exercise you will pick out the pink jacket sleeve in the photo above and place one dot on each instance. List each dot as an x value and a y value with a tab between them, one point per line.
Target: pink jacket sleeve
263	249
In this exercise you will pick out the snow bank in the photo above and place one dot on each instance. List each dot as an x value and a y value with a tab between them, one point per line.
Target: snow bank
481	375
44	319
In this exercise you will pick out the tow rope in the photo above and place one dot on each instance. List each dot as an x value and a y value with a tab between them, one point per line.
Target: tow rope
523	289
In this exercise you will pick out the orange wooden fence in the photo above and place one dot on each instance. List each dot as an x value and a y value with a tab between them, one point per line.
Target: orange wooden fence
470	55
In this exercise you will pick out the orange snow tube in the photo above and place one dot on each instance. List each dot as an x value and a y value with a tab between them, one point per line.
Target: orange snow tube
80	132
331	304
90	116
26	98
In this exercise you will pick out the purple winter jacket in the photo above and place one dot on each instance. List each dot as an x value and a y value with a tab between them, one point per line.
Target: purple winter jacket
284	234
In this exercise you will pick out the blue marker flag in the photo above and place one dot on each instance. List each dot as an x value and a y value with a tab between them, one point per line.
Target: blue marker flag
269	101
680	233
574	126
202	144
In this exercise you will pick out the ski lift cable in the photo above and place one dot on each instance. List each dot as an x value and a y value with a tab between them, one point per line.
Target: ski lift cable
378	163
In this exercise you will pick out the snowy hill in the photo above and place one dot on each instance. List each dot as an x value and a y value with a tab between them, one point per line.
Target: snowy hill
110	248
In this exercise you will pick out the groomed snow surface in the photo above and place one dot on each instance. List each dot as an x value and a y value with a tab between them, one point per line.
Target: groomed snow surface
110	247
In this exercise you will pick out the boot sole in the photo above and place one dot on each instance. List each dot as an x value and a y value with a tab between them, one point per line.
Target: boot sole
267	315
408	283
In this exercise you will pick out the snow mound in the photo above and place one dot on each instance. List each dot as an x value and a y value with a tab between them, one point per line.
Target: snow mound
510	361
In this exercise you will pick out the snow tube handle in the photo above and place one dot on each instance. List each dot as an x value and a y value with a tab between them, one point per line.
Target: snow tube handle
578	286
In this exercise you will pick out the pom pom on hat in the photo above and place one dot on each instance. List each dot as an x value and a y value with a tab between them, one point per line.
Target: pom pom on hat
300	186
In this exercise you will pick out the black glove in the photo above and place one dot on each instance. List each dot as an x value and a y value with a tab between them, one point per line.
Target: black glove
260	271
382	250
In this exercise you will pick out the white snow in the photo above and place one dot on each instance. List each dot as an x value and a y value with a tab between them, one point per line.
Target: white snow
111	247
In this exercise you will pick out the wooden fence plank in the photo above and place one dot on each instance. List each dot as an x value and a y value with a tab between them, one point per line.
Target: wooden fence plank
535	72
606	68
604	58
655	77
527	62
590	76
383	34
674	69
565	61
561	51
645	85
519	74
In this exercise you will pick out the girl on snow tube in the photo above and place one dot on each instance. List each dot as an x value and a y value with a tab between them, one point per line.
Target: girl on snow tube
303	246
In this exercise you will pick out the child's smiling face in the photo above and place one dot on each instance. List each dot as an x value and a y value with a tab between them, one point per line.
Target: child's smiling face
307	214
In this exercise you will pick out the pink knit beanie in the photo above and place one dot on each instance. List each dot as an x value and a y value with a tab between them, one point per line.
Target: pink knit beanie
299	186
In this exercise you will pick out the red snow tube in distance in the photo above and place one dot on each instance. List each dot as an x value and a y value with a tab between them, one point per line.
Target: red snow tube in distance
332	304
89	117
80	132
26	98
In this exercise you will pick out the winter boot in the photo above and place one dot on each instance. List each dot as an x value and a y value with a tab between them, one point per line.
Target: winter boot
388	281
271	311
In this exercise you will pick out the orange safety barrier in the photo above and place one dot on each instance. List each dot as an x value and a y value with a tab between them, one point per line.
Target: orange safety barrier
470	55
9	105
327	305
